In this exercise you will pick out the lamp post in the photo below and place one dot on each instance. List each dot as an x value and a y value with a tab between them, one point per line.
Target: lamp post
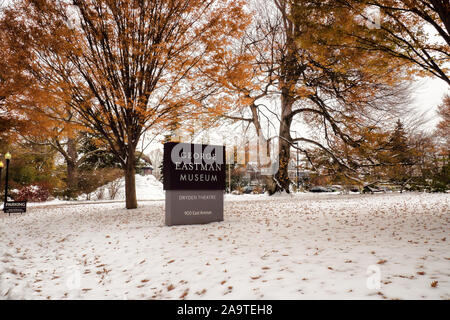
8	159
297	171
229	171
1	169
298	181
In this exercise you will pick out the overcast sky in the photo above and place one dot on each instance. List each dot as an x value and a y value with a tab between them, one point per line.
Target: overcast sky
429	95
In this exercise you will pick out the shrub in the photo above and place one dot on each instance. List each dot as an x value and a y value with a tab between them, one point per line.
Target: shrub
258	190
33	193
100	193
113	188
90	181
238	190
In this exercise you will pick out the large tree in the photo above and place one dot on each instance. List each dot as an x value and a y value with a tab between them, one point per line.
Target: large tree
123	66
340	95
25	100
413	31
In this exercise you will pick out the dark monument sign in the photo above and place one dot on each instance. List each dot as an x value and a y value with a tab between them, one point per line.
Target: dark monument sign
194	180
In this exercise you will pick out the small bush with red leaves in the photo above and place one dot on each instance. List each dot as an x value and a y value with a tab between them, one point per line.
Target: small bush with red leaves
33	193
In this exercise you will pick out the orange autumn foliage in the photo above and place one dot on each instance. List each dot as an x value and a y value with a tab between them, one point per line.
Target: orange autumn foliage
122	67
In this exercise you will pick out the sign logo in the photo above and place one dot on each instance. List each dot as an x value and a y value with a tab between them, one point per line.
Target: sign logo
193	167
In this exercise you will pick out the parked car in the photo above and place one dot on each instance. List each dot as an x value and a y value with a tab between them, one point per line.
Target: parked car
319	189
248	189
336	188
372	189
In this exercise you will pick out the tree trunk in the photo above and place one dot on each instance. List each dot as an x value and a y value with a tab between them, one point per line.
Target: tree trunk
72	167
284	155
281	178
130	180
72	176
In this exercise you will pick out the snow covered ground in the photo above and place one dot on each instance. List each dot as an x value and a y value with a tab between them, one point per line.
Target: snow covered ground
308	246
